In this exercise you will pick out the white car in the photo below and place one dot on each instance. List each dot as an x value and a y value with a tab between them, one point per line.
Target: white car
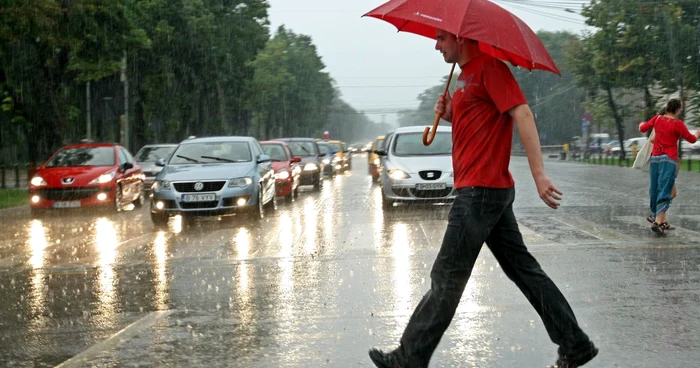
413	172
615	151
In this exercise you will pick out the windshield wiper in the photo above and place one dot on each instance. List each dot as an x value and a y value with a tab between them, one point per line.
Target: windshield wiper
188	158
219	159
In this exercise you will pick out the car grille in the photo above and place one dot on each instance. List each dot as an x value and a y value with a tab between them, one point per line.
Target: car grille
401	192
430	174
209	186
431	193
68	194
193	205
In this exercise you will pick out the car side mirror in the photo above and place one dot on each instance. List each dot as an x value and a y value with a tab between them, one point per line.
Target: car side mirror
296	159
264	158
127	166
380	152
160	162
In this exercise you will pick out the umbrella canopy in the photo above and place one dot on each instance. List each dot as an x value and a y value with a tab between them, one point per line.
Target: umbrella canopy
499	32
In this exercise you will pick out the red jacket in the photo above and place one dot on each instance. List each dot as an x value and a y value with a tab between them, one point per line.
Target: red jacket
667	131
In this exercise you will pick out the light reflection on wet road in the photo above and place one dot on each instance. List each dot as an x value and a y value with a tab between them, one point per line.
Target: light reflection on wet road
331	274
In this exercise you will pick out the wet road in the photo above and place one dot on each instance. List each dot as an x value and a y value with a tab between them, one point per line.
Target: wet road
324	278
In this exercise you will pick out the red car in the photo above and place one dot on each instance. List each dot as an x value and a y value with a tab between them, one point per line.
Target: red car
87	175
287	170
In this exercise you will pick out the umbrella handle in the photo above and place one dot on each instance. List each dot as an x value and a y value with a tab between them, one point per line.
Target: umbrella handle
427	141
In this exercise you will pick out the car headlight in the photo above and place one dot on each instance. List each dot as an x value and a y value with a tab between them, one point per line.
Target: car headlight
336	159
38	181
161	185
376	162
397	174
240	182
104	178
326	161
310	167
283	175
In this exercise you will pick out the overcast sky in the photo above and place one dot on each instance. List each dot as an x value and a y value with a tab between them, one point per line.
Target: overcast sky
378	70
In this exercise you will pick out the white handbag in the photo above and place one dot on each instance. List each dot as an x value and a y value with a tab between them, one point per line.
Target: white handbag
644	155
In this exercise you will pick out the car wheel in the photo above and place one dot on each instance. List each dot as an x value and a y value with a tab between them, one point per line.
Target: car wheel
159	219
387	204
260	214
118	199
272	204
138	202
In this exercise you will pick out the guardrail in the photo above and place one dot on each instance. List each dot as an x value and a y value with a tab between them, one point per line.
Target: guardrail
16	176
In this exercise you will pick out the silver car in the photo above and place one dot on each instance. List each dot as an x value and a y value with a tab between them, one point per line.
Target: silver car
413	172
147	156
214	176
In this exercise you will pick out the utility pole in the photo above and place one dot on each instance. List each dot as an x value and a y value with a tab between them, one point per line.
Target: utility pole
125	80
89	111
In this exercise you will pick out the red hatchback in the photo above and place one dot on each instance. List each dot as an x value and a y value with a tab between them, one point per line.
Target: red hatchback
87	175
287	170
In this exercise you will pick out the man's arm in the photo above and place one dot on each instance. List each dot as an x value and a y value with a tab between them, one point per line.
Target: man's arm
528	135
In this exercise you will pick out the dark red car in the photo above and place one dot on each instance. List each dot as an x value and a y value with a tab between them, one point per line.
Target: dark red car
287	170
87	175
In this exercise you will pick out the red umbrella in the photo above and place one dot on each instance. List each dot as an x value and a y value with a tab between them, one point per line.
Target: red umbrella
500	33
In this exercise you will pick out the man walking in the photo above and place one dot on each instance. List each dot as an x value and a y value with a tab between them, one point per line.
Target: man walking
486	102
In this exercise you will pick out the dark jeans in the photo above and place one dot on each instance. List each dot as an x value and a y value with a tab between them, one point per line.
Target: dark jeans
478	216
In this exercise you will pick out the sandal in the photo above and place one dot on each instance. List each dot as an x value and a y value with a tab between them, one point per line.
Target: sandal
657	228
666	226
650	219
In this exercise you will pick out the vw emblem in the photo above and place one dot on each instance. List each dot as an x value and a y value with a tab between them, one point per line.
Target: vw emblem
198	186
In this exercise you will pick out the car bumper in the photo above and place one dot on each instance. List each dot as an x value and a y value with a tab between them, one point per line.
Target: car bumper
284	188
408	190
226	201
92	196
310	177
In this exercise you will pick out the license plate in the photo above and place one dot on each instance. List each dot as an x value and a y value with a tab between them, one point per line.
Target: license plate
69	204
431	186
198	197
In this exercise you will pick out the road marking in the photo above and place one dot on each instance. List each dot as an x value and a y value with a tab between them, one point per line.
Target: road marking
531	237
84	358
590	228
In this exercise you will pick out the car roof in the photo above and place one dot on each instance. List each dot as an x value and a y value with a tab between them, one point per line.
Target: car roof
160	145
298	139
419	129
218	139
90	145
273	142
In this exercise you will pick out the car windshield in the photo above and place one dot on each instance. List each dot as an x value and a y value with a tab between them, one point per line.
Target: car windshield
209	152
411	144
324	149
302	148
337	146
379	143
153	153
83	156
275	151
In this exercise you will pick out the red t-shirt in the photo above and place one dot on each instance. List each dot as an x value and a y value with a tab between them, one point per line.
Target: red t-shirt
667	131
482	130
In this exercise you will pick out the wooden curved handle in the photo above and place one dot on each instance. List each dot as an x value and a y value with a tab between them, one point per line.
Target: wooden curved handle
428	140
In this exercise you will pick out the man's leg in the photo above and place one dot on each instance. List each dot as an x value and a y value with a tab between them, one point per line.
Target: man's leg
466	232
506	244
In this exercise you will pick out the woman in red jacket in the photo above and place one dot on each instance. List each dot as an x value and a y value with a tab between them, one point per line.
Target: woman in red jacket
664	160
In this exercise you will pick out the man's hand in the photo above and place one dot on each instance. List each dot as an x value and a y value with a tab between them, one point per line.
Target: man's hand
443	106
549	194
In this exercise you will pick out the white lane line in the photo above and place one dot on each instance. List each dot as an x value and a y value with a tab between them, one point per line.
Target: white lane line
83	358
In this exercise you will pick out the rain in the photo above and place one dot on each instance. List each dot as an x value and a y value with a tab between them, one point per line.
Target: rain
246	183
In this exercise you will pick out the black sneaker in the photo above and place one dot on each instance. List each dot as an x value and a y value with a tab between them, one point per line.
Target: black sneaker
577	358
384	360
